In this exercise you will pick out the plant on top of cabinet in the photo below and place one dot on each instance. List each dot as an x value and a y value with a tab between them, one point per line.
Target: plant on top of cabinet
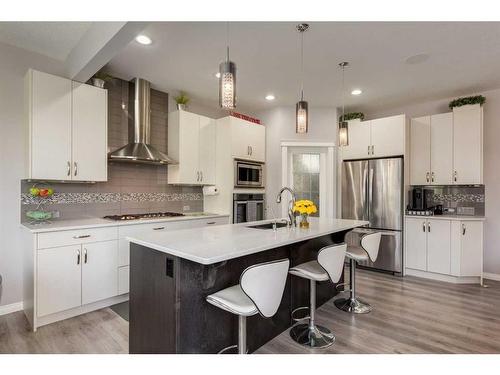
182	100
352	116
478	99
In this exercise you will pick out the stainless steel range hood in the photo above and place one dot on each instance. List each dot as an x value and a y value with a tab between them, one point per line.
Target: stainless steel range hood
139	150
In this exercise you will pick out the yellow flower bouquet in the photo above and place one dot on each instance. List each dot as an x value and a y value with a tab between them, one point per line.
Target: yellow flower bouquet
305	208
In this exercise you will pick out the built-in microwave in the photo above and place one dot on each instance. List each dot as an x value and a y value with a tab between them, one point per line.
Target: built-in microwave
248	174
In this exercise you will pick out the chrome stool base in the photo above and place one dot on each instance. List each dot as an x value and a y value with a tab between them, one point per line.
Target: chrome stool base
317	337
352	305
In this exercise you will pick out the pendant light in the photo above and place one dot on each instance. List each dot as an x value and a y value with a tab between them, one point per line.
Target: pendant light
227	79
301	108
343	125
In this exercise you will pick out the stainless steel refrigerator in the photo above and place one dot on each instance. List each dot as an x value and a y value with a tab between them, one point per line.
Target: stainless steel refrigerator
372	190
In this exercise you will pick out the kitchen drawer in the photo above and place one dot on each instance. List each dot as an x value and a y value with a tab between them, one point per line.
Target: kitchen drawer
208	222
75	237
123	279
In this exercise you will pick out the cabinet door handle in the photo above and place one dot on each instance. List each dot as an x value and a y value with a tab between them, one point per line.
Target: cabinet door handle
432	177
428	227
427	176
251	150
463	229
78	257
455	176
423	226
198	176
373	149
159	228
85	257
81	236
201	174
368	149
69	169
76	168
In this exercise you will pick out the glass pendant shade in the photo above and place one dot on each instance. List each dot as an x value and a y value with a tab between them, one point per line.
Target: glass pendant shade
301	117
343	134
227	85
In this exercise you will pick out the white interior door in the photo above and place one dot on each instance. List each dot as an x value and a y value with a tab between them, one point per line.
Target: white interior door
420	150
99	271
90	135
308	175
442	149
58	279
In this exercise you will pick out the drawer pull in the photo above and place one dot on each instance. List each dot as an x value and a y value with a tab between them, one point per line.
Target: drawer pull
159	228
211	222
81	236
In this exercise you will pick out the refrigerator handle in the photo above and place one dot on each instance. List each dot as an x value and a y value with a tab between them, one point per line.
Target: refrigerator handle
365	191
370	188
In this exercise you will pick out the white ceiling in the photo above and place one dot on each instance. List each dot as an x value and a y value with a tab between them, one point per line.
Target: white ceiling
52	39
463	58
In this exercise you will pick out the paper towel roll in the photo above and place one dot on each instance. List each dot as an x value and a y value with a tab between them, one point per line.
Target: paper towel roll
210	190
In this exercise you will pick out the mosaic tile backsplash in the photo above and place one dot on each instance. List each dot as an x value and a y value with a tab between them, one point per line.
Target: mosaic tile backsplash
131	188
457	196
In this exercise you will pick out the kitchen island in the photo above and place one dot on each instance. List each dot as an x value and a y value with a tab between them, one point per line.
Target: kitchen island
172	273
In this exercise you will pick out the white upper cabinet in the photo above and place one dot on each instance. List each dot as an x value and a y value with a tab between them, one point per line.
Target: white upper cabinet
431	150
388	136
359	140
468	144
90	116
447	148
191	142
49	118
248	140
67	129
376	138
441	149
420	150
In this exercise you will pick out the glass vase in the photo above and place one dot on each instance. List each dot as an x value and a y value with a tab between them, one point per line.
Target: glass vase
304	223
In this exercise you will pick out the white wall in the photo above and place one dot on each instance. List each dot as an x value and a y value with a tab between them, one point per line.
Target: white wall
491	162
13	65
280	126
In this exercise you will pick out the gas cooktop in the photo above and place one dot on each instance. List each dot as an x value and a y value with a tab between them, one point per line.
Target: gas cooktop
151	215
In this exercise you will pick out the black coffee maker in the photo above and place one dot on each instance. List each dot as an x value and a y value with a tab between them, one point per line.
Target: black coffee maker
418	200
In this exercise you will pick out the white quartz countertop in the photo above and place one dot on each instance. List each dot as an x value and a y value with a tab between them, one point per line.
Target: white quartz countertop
96	222
208	245
449	217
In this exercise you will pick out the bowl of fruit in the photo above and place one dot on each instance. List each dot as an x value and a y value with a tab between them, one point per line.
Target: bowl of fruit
41	193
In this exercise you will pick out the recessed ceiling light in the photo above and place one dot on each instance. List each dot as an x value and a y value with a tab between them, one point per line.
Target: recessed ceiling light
217	75
270	97
417	59
356	92
143	39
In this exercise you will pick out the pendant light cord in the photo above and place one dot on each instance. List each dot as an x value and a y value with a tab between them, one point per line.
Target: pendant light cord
227	41
343	93
302	65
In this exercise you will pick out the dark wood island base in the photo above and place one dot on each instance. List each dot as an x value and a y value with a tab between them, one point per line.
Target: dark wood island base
168	311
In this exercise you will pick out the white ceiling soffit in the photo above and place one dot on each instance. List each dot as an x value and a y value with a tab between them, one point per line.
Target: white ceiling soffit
462	58
52	39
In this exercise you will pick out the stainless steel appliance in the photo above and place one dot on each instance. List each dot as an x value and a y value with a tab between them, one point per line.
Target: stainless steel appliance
248	207
372	190
248	174
149	215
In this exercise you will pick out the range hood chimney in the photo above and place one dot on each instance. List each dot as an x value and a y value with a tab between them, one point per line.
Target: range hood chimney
139	149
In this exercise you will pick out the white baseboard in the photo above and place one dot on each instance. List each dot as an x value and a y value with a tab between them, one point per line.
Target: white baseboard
13	307
491	276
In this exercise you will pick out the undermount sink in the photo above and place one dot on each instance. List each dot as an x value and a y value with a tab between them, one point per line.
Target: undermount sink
268	225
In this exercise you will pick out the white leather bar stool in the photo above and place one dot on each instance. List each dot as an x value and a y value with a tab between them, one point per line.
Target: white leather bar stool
260	290
329	265
370	244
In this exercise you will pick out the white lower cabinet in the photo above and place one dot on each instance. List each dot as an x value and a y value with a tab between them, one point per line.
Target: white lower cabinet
59	280
450	248
99	271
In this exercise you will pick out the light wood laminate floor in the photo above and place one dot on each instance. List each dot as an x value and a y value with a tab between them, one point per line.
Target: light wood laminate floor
410	315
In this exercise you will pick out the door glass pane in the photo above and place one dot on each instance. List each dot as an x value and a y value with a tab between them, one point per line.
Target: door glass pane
305	175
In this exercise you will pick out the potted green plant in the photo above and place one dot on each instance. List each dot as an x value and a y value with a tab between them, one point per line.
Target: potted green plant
182	100
352	116
100	78
468	100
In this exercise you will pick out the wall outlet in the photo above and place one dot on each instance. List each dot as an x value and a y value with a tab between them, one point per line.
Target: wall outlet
186	208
